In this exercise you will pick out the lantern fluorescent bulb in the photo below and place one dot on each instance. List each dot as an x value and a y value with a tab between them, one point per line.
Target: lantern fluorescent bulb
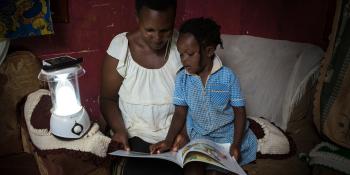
66	100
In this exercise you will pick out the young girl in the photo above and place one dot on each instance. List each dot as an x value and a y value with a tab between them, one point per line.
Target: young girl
208	97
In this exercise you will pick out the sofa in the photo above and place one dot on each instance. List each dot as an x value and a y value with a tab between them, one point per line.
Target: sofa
277	78
18	78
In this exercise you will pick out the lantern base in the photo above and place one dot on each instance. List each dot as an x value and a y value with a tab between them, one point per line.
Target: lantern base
72	126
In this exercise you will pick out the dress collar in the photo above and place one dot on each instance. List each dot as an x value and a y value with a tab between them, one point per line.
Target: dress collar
217	64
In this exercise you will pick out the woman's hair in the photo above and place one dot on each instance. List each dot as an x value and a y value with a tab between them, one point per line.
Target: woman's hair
204	30
158	5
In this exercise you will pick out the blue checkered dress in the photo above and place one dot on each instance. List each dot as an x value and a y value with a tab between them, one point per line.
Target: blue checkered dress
210	114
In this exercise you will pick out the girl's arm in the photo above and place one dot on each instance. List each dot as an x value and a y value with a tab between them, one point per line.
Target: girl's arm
181	139
239	127
177	125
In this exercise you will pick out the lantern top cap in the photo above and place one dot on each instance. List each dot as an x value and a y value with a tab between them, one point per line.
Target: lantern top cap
58	68
68	73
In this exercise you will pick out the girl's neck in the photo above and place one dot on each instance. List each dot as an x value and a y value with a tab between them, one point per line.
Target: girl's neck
205	72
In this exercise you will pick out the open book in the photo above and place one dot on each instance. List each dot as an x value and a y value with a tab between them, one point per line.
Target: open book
197	150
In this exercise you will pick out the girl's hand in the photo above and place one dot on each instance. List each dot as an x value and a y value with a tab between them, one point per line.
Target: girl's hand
235	152
180	141
159	147
121	140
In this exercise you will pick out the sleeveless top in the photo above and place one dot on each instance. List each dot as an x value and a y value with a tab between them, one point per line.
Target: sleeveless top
145	96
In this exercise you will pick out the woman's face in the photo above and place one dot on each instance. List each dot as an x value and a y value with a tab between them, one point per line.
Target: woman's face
156	27
189	50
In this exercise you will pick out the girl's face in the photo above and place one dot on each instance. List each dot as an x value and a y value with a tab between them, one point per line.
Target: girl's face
192	58
156	27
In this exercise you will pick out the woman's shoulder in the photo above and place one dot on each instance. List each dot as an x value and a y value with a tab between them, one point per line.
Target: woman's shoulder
118	46
119	38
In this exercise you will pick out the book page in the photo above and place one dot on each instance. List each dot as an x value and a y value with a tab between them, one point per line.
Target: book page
197	156
212	154
170	156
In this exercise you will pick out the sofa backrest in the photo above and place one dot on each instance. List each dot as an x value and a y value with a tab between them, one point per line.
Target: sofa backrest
273	73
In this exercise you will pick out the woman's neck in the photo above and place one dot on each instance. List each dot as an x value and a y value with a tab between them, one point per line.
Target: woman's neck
145	55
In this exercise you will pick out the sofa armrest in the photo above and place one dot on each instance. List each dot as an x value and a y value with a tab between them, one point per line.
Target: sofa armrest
87	155
19	74
272	73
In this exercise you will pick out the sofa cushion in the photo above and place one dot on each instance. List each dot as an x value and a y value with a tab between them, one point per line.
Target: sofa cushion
273	73
18	77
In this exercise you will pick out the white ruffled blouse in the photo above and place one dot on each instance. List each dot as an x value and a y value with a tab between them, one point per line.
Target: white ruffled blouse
145	96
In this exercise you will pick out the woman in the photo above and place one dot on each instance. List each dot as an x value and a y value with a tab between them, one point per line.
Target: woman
138	77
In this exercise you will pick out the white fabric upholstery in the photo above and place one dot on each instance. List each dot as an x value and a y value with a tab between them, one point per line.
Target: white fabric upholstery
273	73
274	141
93	142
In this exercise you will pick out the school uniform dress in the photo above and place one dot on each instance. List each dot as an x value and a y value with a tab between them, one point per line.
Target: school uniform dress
145	101
210	114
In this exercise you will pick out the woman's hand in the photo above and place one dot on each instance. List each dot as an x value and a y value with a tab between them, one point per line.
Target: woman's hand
235	152
121	140
159	147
